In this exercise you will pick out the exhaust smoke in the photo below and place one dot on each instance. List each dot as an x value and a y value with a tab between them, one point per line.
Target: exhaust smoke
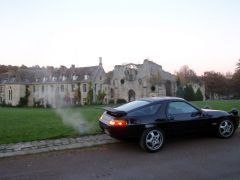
74	119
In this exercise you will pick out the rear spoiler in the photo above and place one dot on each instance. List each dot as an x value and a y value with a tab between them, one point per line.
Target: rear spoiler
115	112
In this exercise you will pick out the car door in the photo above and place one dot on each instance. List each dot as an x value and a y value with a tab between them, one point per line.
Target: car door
142	117
183	118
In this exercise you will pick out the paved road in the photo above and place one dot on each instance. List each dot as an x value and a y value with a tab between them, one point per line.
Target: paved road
182	158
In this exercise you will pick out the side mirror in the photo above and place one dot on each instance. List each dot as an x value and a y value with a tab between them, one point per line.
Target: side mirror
234	111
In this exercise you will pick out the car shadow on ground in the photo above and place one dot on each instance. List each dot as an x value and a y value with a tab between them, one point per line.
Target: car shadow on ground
185	141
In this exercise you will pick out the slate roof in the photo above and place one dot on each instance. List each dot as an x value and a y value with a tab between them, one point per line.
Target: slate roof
48	74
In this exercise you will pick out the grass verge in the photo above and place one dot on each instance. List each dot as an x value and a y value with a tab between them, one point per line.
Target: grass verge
28	124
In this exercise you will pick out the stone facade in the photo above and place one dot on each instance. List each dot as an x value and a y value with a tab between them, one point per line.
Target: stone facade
70	86
14	92
51	86
134	81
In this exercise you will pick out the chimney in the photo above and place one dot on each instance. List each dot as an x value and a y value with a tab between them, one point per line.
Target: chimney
100	61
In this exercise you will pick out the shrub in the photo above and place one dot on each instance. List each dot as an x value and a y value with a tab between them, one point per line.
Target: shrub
189	94
111	101
90	94
198	95
180	92
22	102
100	97
121	101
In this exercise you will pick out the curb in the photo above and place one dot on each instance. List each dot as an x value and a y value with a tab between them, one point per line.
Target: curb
34	147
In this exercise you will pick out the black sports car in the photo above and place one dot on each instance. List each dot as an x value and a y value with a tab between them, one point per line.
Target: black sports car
153	119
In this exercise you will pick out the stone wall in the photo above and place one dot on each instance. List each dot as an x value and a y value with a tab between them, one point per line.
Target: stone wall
134	81
13	93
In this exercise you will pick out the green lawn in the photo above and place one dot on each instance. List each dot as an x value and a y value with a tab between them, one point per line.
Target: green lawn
225	105
28	124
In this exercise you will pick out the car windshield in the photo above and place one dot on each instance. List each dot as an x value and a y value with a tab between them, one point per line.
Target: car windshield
132	105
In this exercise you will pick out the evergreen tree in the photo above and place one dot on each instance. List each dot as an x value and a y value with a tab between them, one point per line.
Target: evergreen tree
180	92
24	100
189	94
198	95
90	94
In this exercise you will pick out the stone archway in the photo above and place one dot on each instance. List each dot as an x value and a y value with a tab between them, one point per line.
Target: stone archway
112	93
131	95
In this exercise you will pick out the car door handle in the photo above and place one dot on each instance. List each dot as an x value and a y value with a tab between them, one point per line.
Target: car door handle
170	117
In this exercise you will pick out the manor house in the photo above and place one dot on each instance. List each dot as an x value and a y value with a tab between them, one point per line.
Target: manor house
79	85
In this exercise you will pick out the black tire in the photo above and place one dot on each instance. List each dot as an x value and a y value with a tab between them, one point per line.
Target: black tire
225	129
152	139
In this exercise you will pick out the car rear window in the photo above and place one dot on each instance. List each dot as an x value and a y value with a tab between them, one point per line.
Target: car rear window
132	105
146	111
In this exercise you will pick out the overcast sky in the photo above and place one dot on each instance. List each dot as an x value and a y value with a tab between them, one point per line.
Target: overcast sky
205	34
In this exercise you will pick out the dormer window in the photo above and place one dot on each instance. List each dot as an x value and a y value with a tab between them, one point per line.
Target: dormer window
74	77
64	78
86	77
54	78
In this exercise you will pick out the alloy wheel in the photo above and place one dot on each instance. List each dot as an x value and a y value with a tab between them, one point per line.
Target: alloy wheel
226	128
154	139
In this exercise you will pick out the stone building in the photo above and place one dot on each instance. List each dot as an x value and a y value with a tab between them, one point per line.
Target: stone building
51	86
134	81
70	86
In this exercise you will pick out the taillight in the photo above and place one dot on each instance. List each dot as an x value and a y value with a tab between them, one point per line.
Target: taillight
101	117
118	123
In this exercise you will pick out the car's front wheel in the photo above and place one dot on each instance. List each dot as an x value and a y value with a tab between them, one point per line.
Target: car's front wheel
225	128
152	139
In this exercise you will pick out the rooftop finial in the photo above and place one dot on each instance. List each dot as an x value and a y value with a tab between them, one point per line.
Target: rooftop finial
100	61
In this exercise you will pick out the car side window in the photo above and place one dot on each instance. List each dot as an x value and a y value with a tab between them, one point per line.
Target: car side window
146	111
175	108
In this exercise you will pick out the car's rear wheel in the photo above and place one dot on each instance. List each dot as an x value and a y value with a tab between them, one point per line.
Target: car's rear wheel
225	128
152	139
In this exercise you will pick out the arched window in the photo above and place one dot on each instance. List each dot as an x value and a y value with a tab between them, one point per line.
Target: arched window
10	94
112	93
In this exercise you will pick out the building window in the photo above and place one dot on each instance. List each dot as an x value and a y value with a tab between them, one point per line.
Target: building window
52	88
84	87
112	93
10	94
95	87
42	89
86	77
34	88
62	88
73	86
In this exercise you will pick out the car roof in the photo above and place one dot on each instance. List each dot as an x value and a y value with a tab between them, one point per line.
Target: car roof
163	98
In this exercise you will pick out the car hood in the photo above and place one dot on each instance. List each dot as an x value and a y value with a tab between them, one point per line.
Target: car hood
214	113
